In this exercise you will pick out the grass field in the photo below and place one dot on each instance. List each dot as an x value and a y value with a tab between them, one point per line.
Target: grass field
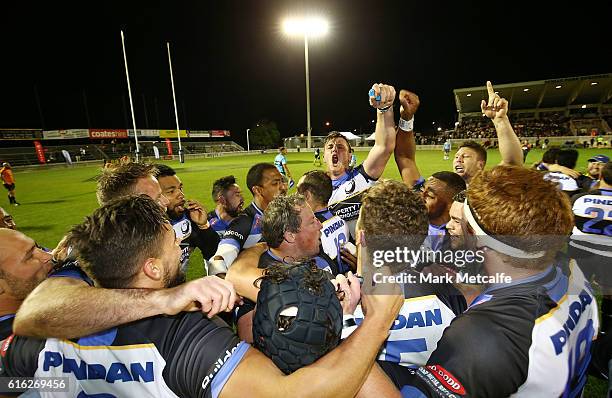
53	200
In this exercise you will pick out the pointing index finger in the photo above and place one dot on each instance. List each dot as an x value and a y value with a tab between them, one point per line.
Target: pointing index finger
490	89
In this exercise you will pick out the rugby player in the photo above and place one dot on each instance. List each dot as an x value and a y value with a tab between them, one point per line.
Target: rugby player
447	147
8	180
280	162
316	186
350	183
228	200
185	355
265	183
317	157
70	299
569	182
591	246
527	338
471	157
188	217
291	231
23	266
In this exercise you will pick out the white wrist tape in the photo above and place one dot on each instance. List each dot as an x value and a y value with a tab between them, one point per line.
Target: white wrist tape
406	125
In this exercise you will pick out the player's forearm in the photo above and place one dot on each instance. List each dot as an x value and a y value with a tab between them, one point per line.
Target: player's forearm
242	277
341	372
509	144
65	309
405	157
384	143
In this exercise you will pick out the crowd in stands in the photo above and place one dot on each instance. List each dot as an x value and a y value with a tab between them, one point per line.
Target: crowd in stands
302	291
477	128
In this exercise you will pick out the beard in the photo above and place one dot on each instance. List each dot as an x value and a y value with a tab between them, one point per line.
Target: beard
233	212
178	278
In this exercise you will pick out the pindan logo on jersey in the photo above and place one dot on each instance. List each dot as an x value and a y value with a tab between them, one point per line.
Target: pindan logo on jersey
448	380
116	371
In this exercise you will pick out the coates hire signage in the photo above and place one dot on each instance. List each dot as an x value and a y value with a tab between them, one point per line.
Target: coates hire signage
102	134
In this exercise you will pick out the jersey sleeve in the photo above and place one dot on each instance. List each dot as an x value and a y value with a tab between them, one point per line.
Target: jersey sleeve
19	356
485	352
202	357
237	232
206	240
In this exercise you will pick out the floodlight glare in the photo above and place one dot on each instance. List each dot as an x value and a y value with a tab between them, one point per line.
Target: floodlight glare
311	27
557	87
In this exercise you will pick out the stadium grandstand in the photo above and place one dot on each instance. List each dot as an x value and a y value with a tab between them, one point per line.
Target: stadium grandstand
562	108
28	147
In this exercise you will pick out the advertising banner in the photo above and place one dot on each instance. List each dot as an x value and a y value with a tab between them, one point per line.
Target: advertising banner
103	134
172	133
21	134
40	152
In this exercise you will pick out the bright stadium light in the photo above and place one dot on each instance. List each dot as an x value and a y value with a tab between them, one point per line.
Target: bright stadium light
469	94
525	89
311	27
558	87
583	106
593	83
306	28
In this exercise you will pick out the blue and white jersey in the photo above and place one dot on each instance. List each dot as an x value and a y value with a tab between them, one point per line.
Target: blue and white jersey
334	234
345	201
447	146
191	237
186	355
279	161
593	223
421	321
183	229
435	237
564	182
528	338
217	223
245	230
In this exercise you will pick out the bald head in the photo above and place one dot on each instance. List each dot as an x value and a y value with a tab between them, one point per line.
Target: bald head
6	220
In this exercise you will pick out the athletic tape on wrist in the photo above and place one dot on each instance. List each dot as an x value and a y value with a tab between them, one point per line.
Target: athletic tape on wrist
406	125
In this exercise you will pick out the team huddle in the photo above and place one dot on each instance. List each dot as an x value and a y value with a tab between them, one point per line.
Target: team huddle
291	304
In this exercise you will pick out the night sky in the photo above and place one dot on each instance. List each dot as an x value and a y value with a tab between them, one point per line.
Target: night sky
234	66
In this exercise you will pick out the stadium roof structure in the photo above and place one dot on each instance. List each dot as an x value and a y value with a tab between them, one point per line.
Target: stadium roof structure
541	95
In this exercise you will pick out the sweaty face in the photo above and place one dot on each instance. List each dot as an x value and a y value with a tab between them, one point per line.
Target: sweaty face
173	275
594	169
337	156
6	220
150	186
307	238
172	189
23	264
455	225
233	200
273	185
467	163
436	199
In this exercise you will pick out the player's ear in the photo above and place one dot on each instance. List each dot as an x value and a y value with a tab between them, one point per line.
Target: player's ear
152	269
289	237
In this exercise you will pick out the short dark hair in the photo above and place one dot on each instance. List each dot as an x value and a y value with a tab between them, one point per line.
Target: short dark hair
606	173
567	158
113	242
164	171
333	135
319	184
221	186
454	183
255	174
480	150
460	196
550	156
120	180
282	215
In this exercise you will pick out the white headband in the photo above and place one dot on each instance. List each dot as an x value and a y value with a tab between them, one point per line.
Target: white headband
493	243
